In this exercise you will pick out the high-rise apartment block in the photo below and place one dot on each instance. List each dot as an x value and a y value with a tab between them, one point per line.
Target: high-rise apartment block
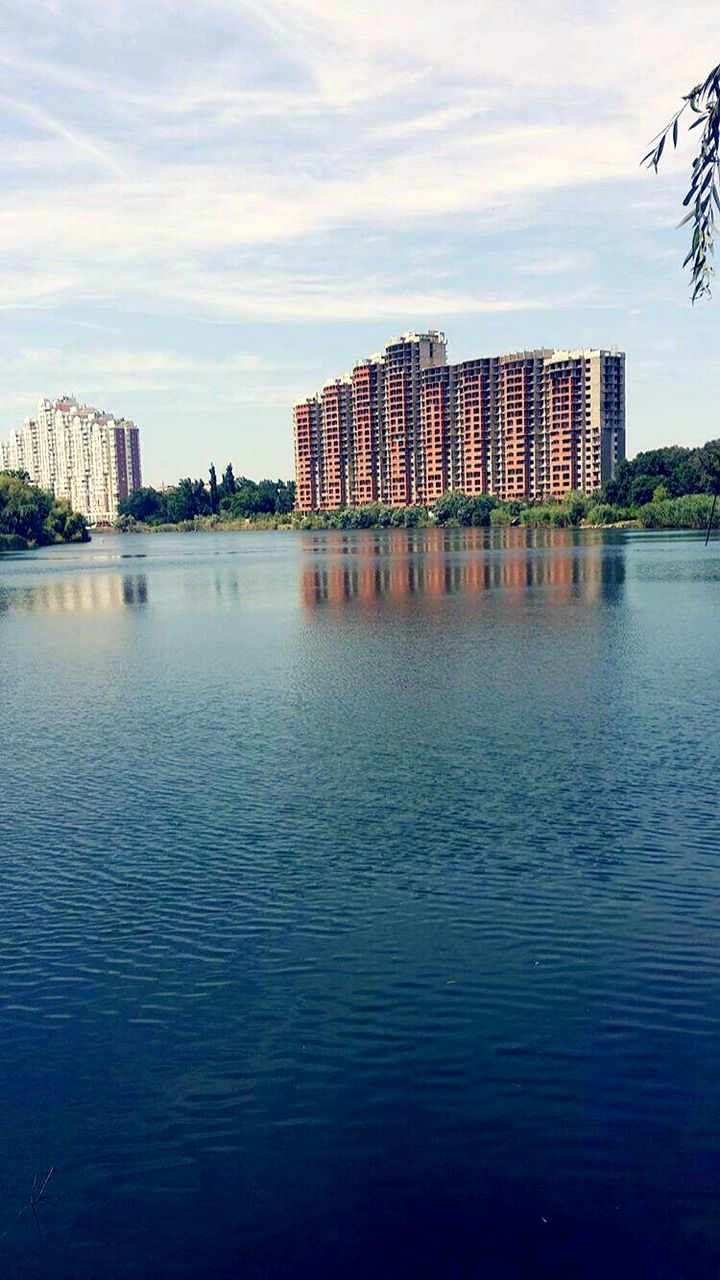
406	426
77	452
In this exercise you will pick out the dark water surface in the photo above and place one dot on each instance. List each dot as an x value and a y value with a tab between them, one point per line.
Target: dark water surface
360	906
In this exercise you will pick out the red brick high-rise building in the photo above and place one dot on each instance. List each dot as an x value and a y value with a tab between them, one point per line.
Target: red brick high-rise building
438	471
307	416
407	426
366	431
475	417
335	433
406	361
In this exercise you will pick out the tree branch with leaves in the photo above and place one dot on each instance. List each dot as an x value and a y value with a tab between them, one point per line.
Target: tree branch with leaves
703	197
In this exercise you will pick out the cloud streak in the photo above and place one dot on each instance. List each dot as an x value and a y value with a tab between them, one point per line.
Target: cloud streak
49	124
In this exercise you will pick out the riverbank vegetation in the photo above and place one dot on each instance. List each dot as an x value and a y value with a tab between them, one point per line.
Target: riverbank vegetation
231	501
667	488
31	517
457	509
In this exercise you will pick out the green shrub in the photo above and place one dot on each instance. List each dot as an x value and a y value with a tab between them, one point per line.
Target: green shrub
501	516
13	542
692	511
550	515
457	508
607	513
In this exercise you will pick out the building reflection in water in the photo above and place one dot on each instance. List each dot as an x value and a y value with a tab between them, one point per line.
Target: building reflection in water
80	593
399	564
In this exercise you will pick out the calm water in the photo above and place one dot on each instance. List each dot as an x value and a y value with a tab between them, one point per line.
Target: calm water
360	906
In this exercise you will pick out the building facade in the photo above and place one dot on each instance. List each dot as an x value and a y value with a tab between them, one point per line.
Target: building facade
406	426
366	431
77	452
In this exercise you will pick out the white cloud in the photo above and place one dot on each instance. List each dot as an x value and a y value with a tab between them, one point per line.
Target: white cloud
560	264
393	118
313	161
121	361
318	301
201	209
245	379
21	288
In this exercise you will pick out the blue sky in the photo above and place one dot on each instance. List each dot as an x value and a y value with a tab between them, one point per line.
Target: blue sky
210	206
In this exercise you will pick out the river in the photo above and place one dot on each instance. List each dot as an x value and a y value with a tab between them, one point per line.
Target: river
360	906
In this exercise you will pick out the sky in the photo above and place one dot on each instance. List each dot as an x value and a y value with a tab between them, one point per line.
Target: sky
209	207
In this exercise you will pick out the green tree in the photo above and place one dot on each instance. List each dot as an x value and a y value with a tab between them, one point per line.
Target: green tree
32	515
188	499
62	524
24	508
709	463
284	497
228	485
643	487
147	505
214	497
678	468
244	501
266	497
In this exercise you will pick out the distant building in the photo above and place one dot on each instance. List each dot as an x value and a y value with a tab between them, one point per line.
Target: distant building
308	421
406	426
77	452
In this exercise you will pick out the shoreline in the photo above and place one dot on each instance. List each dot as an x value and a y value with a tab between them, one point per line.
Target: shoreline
15	545
249	527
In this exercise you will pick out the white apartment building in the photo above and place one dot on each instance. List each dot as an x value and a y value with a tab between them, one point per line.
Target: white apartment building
79	453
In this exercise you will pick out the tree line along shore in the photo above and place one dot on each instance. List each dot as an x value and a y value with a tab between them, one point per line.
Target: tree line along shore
669	488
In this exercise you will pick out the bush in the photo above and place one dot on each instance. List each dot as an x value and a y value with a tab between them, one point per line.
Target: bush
606	513
692	511
501	516
550	515
13	542
460	509
408	517
576	506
